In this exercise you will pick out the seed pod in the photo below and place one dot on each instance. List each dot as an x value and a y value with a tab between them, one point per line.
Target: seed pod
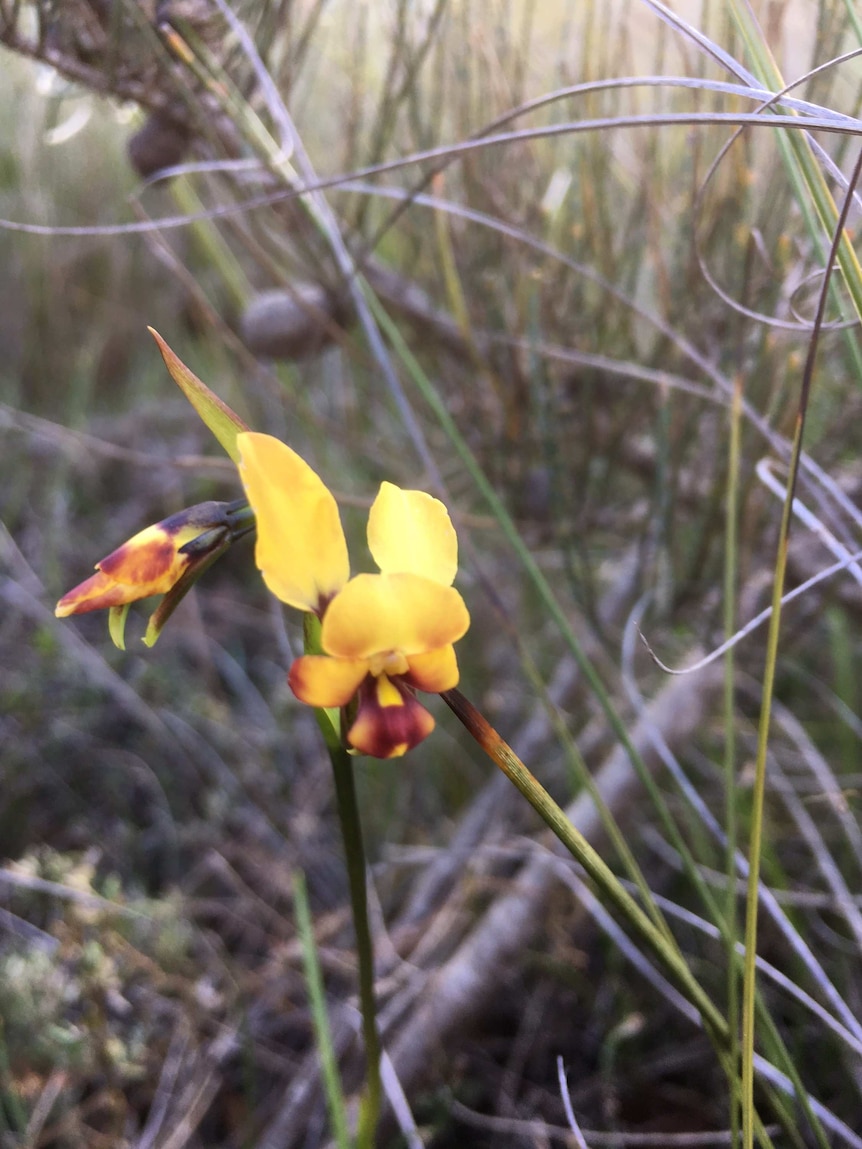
291	324
160	143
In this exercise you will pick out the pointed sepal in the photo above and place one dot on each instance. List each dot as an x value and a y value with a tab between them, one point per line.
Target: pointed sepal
117	616
224	423
200	563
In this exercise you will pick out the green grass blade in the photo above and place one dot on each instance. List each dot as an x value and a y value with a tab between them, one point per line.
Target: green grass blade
323	1035
812	192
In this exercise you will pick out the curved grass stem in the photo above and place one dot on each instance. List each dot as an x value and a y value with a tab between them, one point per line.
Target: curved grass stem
615	894
759	788
730	912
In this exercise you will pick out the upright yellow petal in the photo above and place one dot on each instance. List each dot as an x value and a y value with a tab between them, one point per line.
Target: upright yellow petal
301	551
411	531
374	614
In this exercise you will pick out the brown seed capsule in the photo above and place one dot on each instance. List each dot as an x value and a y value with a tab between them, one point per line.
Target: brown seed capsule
161	143
291	324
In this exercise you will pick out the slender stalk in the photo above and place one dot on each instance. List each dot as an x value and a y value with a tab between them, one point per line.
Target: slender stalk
615	894
759	787
354	852
756	830
351	832
323	1036
730	820
503	756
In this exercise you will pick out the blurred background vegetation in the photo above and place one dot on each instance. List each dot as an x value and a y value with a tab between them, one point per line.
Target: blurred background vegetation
582	304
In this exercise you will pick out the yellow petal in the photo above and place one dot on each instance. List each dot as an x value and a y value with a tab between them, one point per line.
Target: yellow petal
412	531
392	612
301	551
321	681
389	720
435	671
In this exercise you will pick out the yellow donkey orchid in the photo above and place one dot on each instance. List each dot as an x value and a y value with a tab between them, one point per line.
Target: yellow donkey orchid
384	635
167	558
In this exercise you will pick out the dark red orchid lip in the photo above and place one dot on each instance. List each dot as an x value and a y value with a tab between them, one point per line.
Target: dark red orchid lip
383	727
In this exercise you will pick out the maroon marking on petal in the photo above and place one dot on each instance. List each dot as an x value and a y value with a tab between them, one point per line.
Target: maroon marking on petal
142	563
386	731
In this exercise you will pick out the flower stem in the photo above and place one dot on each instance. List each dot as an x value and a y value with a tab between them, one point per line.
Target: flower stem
604	878
351	832
354	852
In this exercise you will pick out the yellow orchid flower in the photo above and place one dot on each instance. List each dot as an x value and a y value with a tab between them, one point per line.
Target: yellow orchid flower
167	558
384	635
163	559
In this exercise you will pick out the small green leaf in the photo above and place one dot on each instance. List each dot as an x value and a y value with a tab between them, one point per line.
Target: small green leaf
224	423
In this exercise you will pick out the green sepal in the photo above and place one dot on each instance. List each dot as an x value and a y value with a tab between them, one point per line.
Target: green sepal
329	723
328	717
311	631
117	616
178	592
224	423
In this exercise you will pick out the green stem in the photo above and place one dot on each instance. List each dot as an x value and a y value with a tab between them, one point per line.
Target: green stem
323	1036
730	910
351	832
749	985
503	756
758	795
604	878
354	852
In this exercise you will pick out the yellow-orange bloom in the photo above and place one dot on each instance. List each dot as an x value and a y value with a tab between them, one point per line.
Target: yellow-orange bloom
384	635
163	559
